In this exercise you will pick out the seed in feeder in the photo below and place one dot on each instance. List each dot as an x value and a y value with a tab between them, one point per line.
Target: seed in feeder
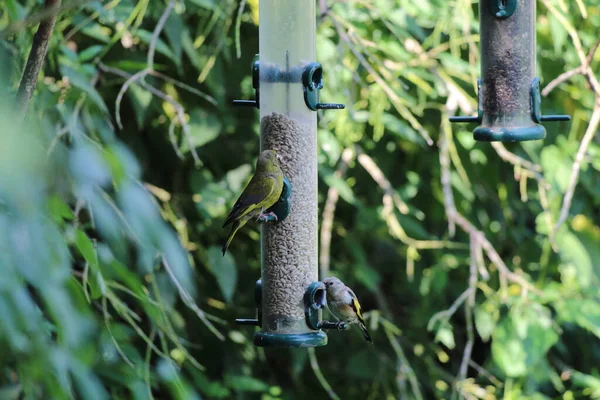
289	248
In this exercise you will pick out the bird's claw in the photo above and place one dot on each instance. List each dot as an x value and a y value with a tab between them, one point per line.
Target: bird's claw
268	217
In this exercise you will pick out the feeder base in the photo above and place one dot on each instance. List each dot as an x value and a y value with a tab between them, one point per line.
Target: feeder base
509	134
309	339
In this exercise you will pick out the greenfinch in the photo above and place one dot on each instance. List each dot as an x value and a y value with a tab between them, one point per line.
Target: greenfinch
262	192
344	304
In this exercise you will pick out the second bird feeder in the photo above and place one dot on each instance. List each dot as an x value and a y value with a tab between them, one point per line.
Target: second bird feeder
509	106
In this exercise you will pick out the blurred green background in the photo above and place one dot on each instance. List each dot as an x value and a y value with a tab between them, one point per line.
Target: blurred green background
112	284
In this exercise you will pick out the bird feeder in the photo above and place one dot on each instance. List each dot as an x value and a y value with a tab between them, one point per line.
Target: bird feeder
509	105
287	82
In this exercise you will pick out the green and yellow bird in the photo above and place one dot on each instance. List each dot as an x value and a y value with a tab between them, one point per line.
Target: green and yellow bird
262	192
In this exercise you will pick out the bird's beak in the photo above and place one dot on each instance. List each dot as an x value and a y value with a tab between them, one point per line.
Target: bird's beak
279	157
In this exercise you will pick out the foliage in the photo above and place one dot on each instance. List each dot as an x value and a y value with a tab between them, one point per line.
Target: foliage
113	191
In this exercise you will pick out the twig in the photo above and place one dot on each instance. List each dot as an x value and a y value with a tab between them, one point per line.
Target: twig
514	159
238	22
482	371
565	76
185	86
173	139
562	78
455	217
392	200
314	364
469	305
583	59
36	57
393	96
592	128
445	176
405	367
107	318
36	18
587	138
132	79
179	110
190	303
547	215
377	175
149	61
483	272
333	196
447	314
523	170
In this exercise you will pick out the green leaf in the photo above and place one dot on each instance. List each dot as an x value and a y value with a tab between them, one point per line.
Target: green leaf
86	247
175	29
16	12
204	128
559	33
88	251
59	209
224	270
212	389
445	335
90	53
243	383
585	313
364	364
161	47
208	4
557	166
81	82
484	323
338	183
237	177
573	253
140	100
515	354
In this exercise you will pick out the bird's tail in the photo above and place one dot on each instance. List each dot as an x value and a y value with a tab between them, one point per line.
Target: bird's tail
365	332
234	228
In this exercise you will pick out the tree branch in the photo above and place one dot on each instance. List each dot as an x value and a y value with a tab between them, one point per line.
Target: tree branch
149	61
391	200
36	57
328	213
469	305
591	131
314	364
456	218
179	110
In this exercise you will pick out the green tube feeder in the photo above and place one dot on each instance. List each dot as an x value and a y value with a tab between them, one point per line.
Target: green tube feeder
509	94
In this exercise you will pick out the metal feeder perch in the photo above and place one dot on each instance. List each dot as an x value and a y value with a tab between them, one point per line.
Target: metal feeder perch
287	84
509	106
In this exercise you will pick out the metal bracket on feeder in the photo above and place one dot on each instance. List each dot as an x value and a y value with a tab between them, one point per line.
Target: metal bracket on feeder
536	106
509	101
280	210
314	301
311	77
479	116
503	8
255	85
258	300
312	80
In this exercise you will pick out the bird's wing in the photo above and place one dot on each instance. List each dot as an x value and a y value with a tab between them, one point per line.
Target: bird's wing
258	189
356	305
